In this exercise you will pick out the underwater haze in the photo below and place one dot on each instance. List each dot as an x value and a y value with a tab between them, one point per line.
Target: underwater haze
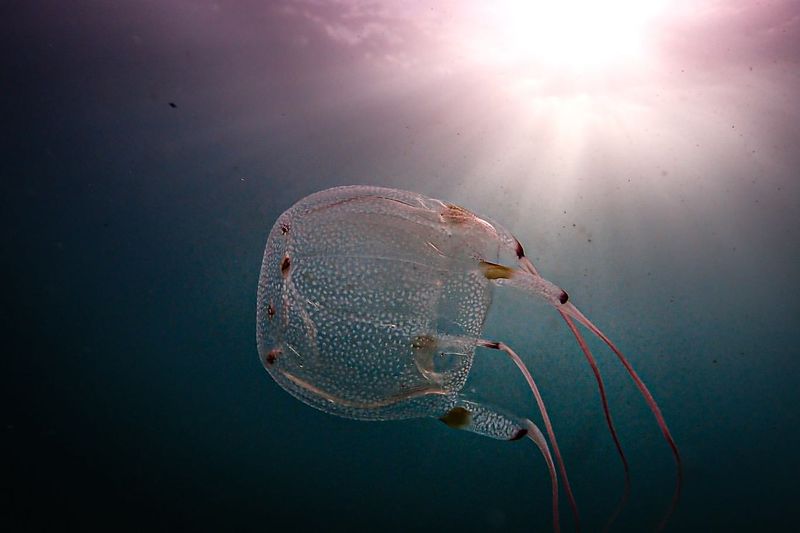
645	153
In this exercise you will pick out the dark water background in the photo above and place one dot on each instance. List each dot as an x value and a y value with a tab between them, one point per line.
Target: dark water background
133	232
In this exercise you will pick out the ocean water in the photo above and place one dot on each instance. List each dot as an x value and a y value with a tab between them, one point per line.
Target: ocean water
149	147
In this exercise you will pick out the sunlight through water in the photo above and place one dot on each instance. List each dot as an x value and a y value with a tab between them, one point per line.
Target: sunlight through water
572	35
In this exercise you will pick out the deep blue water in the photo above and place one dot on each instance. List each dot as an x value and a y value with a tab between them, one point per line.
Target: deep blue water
133	233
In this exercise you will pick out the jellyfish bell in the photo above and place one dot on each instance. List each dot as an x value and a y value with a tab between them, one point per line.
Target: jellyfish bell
371	306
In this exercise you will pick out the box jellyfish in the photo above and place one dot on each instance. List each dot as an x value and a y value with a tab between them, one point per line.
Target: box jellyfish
371	305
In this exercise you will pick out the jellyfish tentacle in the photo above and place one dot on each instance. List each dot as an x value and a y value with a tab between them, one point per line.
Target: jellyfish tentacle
567	309
460	413
544	288
535	434
494	345
539	286
606	411
601	387
575	313
527	264
532	282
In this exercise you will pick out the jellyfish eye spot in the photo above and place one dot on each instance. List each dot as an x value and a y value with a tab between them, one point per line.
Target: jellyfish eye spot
563	297
457	418
285	264
273	355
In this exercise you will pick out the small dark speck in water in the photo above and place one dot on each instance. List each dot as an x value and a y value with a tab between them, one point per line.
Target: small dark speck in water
173	105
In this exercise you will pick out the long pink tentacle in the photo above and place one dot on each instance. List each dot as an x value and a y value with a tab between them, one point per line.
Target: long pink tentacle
598	378
651	403
601	386
545	417
609	422
536	436
571	310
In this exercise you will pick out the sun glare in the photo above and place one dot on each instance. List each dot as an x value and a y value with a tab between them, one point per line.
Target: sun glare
569	34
